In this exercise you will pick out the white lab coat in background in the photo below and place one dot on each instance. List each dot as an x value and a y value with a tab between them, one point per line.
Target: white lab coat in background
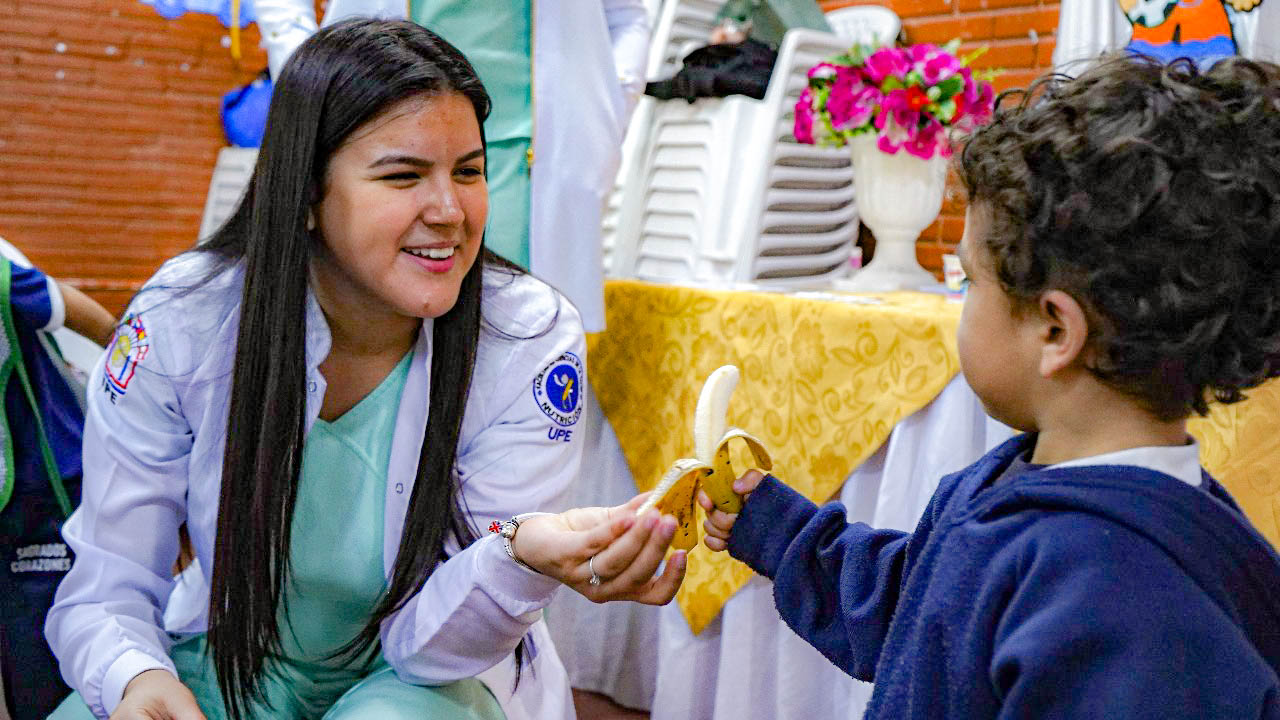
588	67
153	450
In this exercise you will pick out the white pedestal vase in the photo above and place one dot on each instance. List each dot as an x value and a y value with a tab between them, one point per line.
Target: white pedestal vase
898	196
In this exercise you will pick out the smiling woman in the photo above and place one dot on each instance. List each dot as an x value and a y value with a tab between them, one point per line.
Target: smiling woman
404	210
305	407
402	219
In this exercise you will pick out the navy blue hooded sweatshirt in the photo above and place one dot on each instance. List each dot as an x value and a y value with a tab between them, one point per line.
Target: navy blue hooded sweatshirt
1080	592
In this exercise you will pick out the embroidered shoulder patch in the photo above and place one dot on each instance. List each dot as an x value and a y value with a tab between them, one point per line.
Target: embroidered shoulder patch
127	351
558	389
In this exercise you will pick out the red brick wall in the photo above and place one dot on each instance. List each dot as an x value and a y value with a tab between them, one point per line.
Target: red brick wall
108	131
1019	37
109	123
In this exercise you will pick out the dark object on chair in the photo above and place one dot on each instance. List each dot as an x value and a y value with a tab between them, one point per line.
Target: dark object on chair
719	71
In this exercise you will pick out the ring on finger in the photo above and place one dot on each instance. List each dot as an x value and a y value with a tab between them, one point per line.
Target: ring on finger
595	579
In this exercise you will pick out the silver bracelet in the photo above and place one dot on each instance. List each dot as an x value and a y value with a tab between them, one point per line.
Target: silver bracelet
507	531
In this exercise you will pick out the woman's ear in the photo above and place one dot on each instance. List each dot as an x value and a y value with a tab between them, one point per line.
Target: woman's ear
1064	331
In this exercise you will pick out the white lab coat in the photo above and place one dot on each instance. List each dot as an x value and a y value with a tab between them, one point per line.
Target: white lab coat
588	67
153	459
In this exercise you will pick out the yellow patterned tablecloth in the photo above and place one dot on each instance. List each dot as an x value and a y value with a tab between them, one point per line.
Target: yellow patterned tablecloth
823	384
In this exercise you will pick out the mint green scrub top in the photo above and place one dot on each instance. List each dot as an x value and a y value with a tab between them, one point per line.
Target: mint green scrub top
497	38
335	581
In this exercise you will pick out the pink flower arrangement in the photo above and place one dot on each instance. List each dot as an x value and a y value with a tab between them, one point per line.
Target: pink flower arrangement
909	97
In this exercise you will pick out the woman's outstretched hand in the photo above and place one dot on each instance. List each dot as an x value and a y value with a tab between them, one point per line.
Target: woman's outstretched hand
157	695
627	551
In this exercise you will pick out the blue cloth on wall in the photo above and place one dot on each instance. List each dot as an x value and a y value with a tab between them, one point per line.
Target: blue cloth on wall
221	8
1204	53
244	112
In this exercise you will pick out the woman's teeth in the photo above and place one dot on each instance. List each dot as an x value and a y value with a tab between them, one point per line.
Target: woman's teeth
431	253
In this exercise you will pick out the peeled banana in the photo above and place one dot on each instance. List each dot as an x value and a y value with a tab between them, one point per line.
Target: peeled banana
711	468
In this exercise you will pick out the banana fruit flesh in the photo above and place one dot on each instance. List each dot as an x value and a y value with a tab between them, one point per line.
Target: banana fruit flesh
711	468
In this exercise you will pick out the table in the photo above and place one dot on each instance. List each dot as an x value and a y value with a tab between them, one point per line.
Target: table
796	353
823	383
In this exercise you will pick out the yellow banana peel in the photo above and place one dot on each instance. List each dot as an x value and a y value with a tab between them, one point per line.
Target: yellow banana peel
712	468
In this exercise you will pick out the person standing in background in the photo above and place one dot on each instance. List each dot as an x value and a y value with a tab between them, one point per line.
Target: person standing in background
40	434
564	79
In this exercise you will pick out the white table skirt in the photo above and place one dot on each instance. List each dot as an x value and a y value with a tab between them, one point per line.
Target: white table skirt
747	663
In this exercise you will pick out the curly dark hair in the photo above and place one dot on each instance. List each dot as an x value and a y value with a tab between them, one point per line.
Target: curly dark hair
1151	194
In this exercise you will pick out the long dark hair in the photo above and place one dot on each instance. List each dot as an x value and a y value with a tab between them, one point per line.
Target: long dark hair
338	80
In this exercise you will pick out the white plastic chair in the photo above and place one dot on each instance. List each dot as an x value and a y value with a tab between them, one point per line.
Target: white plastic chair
678	26
723	194
865	24
682	25
231	173
809	221
632	145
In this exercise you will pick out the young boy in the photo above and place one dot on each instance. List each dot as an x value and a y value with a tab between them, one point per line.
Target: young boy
1123	248
39	471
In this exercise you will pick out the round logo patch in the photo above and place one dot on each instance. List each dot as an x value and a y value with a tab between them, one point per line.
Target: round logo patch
558	390
126	353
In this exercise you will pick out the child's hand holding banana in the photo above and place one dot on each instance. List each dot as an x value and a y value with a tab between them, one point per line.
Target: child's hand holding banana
719	525
710	474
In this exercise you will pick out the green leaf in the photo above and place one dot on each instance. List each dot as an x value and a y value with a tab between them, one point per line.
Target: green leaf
968	59
946	111
952	86
988	75
828	136
891	83
820	96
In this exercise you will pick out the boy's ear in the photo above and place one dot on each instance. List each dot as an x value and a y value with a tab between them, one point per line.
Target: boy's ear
1064	331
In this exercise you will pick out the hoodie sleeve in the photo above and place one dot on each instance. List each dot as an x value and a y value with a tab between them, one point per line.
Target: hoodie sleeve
1103	623
836	584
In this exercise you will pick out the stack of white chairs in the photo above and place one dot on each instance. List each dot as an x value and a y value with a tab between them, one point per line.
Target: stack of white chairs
685	27
719	192
230	179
